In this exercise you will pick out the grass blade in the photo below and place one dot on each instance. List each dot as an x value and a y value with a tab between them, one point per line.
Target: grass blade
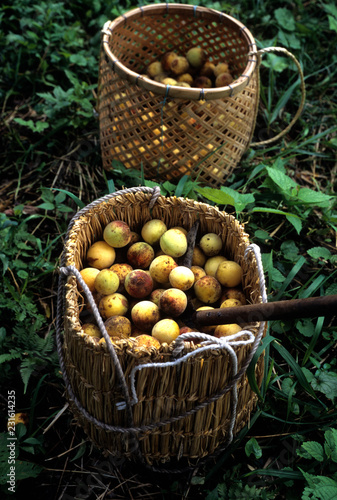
295	367
111	186
277	474
314	339
142	175
312	139
78	202
291	275
315	285
34	402
181	185
283	101
251	368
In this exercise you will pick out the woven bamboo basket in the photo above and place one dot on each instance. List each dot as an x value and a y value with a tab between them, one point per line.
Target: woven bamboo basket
170	130
178	410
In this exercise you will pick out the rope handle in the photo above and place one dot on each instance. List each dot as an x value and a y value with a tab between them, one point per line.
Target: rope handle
268	50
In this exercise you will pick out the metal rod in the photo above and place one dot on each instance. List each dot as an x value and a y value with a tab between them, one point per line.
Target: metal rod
312	307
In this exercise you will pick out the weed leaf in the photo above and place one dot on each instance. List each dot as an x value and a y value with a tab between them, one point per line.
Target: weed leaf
330	445
326	382
111	186
241	200
332	23
319	253
216	196
23	470
309	196
285	19
181	185
319	487
26	369
331	9
283	181
305	327
311	449
295	221
252	446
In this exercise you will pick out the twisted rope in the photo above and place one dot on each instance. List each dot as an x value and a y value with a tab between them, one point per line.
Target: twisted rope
268	50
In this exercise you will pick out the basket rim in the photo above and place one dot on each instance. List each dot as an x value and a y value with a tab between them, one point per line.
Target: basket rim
177	91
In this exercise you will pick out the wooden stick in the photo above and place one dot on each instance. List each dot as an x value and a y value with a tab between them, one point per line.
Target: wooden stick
312	307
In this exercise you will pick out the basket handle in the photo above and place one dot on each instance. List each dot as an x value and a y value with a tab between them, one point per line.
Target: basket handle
259	53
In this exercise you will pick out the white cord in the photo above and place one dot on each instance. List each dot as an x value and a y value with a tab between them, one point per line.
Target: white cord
209	343
256	250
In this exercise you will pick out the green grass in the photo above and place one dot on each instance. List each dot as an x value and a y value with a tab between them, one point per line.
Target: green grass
285	194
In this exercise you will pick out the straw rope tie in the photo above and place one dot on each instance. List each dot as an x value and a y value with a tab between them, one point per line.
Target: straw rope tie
69	270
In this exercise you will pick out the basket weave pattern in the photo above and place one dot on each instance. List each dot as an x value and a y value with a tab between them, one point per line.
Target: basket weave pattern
162	392
175	131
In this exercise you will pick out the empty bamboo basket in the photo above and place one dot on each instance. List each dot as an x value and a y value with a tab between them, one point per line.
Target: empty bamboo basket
175	410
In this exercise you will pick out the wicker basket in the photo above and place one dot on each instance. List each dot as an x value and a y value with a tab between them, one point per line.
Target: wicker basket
178	409
169	130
